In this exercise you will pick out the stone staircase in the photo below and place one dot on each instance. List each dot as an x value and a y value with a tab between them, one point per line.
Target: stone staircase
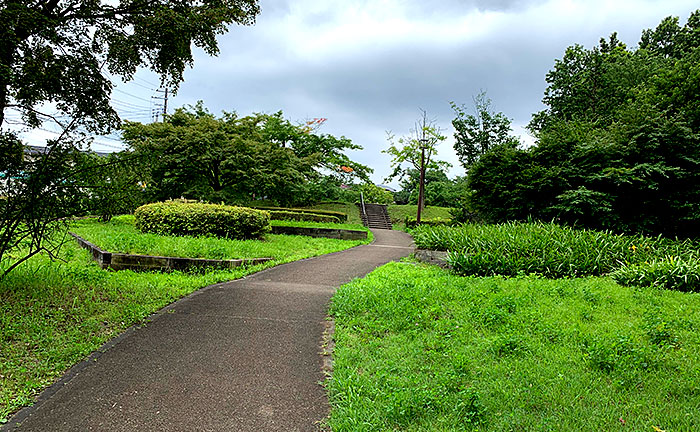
376	216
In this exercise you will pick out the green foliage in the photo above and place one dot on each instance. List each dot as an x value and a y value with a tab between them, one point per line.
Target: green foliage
418	148
618	144
112	183
411	222
671	272
199	219
476	134
194	154
546	249
399	213
37	194
525	354
374	194
342	217
301	216
59	51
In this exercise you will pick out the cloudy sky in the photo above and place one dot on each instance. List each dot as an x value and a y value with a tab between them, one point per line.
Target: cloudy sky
368	66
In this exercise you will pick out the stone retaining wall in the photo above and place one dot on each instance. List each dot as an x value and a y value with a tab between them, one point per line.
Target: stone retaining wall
119	261
438	258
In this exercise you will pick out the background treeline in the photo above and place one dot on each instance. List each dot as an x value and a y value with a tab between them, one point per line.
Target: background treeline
233	159
618	146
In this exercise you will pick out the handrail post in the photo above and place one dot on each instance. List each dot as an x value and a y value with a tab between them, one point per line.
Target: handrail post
362	200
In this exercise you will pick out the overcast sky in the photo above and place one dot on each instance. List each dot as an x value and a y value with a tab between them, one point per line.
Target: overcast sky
368	66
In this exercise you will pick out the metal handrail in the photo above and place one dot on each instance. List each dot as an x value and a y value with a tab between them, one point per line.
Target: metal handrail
362	200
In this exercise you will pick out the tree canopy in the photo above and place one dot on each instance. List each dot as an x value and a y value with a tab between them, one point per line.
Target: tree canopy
479	130
618	145
231	158
59	51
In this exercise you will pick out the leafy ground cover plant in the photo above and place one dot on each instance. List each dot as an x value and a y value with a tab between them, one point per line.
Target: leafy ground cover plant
673	272
54	313
421	349
547	249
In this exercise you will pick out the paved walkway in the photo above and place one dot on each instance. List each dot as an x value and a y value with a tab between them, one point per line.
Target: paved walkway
238	356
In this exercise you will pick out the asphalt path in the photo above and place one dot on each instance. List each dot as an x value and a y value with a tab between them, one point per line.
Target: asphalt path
243	355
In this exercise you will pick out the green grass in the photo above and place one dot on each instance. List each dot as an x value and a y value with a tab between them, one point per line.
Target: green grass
346	226
421	349
120	235
398	213
348	208
53	314
544	248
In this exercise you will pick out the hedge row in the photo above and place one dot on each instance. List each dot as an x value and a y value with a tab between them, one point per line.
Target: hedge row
298	216
197	219
342	217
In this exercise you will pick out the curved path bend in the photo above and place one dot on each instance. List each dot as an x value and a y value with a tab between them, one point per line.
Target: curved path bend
237	356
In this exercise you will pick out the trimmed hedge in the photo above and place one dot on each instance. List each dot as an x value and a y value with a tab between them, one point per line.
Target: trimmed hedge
197	219
298	216
342	217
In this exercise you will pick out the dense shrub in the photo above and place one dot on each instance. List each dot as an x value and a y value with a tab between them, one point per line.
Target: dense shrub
342	217
189	218
544	248
298	216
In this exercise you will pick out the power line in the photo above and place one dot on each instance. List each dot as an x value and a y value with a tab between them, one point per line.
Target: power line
129	94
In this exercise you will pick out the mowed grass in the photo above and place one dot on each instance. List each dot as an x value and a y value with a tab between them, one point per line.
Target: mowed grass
398	213
54	313
421	349
120	235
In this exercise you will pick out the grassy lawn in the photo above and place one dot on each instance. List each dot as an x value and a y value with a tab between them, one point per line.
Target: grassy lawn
120	235
421	349
398	213
53	314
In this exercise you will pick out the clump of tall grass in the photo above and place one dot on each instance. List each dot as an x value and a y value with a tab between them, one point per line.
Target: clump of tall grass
672	272
547	249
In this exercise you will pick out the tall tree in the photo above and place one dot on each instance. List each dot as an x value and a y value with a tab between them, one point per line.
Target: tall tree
416	151
54	60
478	132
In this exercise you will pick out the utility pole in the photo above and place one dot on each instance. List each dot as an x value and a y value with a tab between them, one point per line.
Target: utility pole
165	103
421	185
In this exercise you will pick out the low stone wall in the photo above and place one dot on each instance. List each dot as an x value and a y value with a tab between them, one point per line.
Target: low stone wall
321	232
119	261
438	258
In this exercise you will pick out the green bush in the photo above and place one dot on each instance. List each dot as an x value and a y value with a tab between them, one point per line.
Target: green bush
411	222
672	272
544	248
298	216
199	219
342	217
